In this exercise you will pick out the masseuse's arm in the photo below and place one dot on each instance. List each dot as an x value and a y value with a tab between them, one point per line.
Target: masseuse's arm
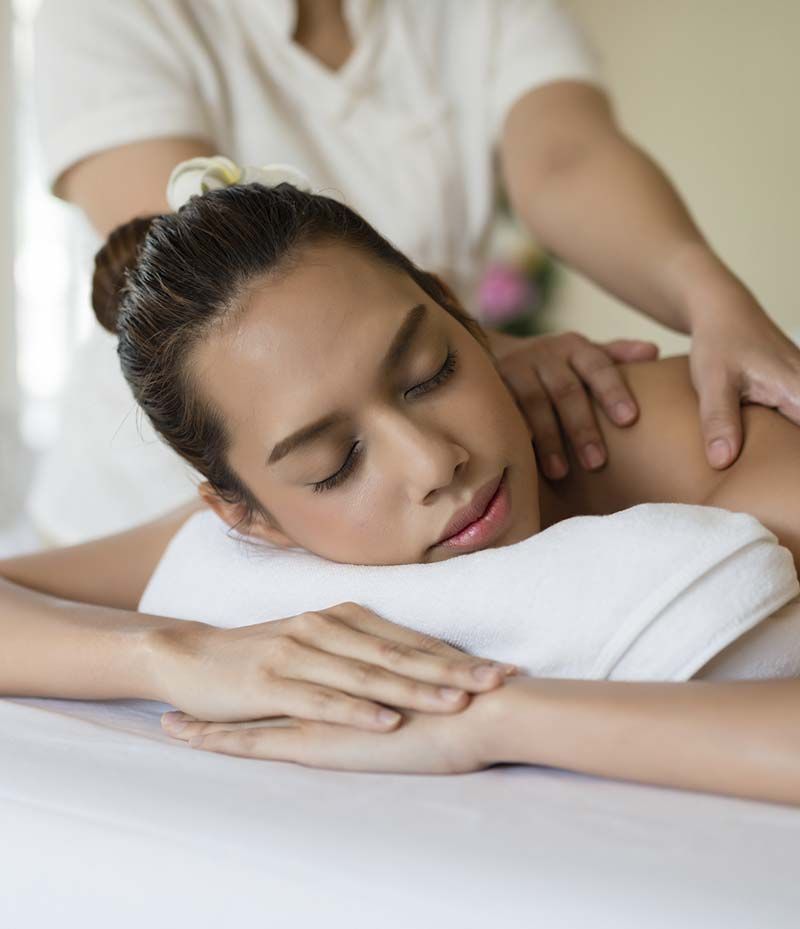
600	203
115	185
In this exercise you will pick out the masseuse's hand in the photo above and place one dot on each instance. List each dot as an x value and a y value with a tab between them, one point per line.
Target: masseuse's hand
552	377
336	665
738	354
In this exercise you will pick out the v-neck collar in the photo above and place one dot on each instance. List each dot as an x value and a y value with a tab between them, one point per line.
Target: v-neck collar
359	15
334	92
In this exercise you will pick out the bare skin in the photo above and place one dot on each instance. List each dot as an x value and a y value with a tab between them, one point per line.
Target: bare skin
733	738
271	371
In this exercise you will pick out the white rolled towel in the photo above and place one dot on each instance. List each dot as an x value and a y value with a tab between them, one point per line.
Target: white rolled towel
649	593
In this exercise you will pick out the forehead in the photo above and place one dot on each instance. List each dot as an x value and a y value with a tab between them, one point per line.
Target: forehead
300	338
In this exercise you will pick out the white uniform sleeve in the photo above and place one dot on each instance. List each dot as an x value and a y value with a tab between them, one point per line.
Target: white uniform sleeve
536	42
109	72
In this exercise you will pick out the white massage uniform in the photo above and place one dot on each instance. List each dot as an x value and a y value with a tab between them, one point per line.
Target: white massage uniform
405	132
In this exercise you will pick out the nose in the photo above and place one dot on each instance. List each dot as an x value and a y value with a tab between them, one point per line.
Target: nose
430	458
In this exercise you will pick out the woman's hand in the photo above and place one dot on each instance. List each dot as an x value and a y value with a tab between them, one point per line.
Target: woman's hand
551	378
335	665
424	744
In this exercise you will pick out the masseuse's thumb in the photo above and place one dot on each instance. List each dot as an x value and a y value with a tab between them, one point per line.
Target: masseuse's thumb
720	418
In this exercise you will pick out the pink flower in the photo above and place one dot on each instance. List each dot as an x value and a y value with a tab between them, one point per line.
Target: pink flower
504	293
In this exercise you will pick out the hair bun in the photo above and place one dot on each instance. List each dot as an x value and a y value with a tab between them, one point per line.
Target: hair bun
111	266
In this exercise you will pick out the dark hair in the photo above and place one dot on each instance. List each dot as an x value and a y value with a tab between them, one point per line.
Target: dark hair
162	282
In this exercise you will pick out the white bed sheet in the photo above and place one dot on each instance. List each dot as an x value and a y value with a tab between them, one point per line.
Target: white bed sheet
107	822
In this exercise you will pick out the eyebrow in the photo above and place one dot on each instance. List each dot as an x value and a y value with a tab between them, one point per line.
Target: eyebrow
397	350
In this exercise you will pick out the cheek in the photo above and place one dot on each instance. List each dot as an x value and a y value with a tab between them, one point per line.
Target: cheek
494	403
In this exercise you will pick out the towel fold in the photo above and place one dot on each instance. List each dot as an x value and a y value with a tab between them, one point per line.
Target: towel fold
649	593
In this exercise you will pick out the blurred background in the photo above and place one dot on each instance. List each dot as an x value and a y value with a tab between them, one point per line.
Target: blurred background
708	87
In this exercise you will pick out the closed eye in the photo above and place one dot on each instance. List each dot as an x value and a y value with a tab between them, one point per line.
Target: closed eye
443	374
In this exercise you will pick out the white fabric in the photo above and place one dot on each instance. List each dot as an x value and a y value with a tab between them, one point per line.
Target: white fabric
404	132
108	822
649	593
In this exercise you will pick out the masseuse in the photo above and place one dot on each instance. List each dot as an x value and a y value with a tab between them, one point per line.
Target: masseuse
399	106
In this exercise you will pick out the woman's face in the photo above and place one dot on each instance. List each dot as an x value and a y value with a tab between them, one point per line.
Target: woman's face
410	441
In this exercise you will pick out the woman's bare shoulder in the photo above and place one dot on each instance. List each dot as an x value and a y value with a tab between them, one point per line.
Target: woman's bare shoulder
661	457
111	571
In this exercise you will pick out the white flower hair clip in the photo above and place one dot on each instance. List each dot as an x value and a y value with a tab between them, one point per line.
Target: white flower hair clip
199	175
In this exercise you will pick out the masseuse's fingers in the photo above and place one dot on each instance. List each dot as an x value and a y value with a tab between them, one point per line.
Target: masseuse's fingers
568	394
354	632
597	366
720	417
626	351
535	406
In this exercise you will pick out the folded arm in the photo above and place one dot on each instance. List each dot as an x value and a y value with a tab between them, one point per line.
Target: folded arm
741	738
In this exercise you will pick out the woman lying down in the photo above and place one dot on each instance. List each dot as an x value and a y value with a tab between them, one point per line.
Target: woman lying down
339	403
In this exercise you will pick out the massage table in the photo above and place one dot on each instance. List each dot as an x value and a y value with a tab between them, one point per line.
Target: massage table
107	822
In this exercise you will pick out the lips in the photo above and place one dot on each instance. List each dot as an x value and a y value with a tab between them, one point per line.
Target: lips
473	510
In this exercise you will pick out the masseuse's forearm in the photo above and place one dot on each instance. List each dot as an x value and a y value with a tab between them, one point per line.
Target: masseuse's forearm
58	648
605	208
740	738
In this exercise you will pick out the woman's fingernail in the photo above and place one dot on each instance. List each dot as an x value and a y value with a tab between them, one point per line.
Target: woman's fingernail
177	725
388	717
510	669
485	673
450	694
593	455
555	466
624	411
719	452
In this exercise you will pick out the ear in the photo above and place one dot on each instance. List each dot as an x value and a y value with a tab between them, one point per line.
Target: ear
233	514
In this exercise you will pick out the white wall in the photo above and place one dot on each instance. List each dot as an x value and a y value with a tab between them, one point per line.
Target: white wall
711	89
10	477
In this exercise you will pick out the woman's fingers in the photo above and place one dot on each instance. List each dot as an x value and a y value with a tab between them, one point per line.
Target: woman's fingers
373	682
367	640
366	620
284	697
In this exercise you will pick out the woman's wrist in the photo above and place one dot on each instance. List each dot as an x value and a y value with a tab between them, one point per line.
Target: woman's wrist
166	647
509	720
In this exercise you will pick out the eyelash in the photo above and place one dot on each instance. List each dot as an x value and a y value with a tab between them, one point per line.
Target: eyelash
443	374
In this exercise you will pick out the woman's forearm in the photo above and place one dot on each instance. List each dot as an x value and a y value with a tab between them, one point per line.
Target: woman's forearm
740	738
58	648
